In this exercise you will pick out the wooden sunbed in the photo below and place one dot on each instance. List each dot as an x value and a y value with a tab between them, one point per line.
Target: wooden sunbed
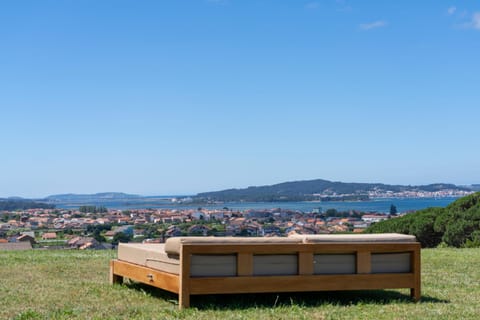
381	262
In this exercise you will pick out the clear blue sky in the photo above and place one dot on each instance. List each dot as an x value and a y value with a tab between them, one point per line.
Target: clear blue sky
180	97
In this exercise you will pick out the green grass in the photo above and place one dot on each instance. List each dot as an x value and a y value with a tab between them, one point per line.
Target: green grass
69	284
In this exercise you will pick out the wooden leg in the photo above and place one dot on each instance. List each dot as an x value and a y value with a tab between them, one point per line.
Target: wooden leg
415	294
183	300
184	290
113	277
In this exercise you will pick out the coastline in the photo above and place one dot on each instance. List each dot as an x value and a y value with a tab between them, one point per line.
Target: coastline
380	205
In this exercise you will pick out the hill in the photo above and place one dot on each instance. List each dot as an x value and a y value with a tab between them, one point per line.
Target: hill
72	284
318	189
104	196
456	225
475	187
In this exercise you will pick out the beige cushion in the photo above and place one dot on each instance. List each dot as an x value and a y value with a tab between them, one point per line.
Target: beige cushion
373	237
149	255
154	256
173	245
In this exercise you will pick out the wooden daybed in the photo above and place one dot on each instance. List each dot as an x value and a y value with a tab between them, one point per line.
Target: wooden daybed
209	265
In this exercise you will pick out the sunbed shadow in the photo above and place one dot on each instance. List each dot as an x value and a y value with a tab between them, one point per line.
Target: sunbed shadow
306	299
152	291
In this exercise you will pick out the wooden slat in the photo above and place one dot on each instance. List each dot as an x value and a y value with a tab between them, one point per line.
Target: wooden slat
305	263
300	283
244	264
364	262
156	278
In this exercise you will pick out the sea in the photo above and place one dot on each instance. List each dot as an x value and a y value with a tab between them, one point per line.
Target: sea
375	205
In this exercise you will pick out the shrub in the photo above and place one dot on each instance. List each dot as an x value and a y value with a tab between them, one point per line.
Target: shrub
457	225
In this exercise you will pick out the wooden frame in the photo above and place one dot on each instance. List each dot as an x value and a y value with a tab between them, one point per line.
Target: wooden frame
245	282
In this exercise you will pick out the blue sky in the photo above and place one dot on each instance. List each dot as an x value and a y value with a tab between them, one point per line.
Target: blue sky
180	97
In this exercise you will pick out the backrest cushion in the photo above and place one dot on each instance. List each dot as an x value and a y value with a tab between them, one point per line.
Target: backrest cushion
173	245
371	237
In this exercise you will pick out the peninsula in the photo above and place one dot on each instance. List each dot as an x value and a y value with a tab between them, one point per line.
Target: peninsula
324	190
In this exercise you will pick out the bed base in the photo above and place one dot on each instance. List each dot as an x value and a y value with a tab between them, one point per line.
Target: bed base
305	281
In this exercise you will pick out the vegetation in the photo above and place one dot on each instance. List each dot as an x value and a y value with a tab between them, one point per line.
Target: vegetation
122	237
22	204
305	190
71	284
393	209
92	209
457	225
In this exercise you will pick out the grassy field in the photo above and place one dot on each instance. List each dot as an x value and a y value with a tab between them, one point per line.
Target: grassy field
74	285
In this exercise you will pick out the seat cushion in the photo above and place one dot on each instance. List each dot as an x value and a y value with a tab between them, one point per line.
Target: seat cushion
149	255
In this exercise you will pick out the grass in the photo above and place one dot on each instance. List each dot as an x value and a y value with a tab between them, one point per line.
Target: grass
70	284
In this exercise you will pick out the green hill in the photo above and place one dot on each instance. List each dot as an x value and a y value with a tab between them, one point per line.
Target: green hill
456	225
305	191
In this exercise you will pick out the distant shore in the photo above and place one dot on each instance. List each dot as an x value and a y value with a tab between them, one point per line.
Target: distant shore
381	205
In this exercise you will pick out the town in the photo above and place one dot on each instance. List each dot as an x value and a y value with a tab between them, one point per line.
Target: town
92	227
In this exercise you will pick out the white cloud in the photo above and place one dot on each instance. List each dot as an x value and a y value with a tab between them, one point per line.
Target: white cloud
472	23
312	5
451	10
373	25
476	20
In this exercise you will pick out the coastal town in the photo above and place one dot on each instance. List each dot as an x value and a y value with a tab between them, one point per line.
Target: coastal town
90	228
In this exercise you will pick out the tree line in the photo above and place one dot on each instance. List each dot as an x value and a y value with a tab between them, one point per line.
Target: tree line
12	205
92	209
457	225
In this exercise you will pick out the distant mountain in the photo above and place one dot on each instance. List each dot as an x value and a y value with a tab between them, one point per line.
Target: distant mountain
475	187
104	196
315	190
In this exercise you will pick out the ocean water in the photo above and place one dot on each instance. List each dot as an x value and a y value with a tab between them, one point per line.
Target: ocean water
377	205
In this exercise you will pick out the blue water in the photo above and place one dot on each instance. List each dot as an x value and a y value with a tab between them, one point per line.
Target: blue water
378	205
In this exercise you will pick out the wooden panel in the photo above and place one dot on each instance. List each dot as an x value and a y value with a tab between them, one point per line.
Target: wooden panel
244	264
305	263
156	278
333	247
364	262
300	283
